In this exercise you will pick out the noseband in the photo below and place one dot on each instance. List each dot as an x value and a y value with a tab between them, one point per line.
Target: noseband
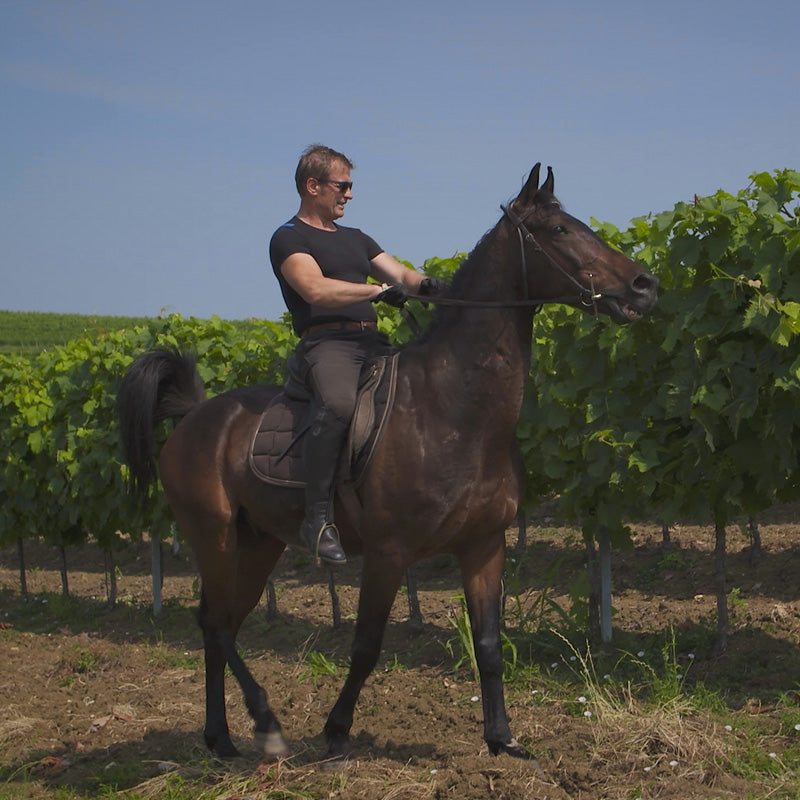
586	297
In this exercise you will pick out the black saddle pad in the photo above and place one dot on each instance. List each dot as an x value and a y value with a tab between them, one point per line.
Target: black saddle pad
276	451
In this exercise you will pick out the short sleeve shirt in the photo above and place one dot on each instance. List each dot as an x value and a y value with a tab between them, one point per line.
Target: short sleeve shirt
344	254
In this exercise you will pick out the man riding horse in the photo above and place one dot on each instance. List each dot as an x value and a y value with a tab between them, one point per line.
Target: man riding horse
322	268
447	475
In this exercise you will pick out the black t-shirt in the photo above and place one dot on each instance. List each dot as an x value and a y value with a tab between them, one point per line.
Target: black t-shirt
343	254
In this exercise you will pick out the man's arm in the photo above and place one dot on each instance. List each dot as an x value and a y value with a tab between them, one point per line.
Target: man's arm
389	270
304	275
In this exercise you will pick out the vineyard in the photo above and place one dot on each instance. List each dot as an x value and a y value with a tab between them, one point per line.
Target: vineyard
687	417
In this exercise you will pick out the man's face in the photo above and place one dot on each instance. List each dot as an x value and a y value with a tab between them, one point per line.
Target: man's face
330	197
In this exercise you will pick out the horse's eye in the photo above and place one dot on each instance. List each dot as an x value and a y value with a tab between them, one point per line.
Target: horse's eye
559	229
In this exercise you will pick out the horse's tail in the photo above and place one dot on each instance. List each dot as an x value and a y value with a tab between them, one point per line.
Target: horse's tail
159	384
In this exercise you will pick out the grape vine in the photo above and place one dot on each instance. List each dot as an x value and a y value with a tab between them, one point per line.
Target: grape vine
690	412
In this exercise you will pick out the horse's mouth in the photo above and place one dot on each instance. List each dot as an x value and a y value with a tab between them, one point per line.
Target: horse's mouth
622	312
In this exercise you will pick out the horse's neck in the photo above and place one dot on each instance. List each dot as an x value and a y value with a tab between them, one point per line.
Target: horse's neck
482	355
488	353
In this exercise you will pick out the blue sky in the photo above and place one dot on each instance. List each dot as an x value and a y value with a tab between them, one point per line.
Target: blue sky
148	148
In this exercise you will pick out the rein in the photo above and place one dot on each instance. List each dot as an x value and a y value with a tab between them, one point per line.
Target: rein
586	296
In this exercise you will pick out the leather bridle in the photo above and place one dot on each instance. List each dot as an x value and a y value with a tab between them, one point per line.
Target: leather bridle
587	296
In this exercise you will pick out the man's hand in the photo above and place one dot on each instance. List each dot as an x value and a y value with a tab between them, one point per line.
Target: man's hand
395	295
429	287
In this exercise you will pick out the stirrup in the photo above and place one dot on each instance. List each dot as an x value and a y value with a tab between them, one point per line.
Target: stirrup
332	559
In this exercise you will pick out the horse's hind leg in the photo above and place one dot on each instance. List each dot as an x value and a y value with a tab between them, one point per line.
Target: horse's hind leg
215	733
379	586
233	581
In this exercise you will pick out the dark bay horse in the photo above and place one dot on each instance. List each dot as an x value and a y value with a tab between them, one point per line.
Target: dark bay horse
446	477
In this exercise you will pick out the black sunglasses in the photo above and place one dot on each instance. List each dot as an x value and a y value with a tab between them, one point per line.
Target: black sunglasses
342	186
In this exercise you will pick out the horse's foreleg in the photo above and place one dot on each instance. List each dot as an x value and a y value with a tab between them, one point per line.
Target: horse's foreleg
379	586
482	573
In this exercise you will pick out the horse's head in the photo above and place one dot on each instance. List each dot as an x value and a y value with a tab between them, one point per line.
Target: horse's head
567	262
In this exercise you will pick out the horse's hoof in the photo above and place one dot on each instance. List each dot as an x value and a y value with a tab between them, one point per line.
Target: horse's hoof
333	763
222	748
271	744
514	749
338	748
510	748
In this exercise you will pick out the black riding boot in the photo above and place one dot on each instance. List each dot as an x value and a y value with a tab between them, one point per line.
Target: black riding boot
321	450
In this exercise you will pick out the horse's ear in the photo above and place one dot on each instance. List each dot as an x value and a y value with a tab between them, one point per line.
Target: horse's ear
549	184
528	193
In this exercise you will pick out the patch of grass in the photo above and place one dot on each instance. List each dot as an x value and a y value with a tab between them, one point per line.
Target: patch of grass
656	723
394	664
316	665
462	646
735	600
282	781
85	661
116	776
789	712
543	611
165	657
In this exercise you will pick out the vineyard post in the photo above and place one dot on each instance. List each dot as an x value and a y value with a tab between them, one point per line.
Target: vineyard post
157	573
414	611
755	540
62	555
23	580
593	599
604	549
272	601
336	608
111	577
721	643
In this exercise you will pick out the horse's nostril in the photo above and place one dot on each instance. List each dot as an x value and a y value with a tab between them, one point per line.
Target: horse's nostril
644	282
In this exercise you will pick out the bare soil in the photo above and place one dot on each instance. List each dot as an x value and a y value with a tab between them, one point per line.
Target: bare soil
92	697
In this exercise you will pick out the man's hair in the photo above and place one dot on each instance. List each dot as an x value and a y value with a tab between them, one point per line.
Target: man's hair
316	162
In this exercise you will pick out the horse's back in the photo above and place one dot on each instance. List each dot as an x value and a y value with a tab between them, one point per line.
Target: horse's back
211	443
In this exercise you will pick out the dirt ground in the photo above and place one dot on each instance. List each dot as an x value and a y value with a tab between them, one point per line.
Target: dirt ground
92	697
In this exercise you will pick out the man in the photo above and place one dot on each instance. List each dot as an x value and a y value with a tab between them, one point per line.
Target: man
322	269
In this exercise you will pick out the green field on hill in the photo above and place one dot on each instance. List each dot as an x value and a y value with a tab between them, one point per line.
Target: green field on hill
29	332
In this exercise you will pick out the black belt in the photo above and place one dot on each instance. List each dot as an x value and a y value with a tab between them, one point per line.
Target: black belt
344	325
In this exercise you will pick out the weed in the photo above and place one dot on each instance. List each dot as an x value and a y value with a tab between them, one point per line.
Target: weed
788	708
534	618
316	665
394	665
466	645
116	776
667	684
165	657
667	732
672	560
735	601
85	661
463	628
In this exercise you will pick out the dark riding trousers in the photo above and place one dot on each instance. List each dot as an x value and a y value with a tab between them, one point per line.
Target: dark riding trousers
330	364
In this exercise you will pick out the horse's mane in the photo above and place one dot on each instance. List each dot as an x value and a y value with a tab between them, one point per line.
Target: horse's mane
442	313
544	200
477	255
